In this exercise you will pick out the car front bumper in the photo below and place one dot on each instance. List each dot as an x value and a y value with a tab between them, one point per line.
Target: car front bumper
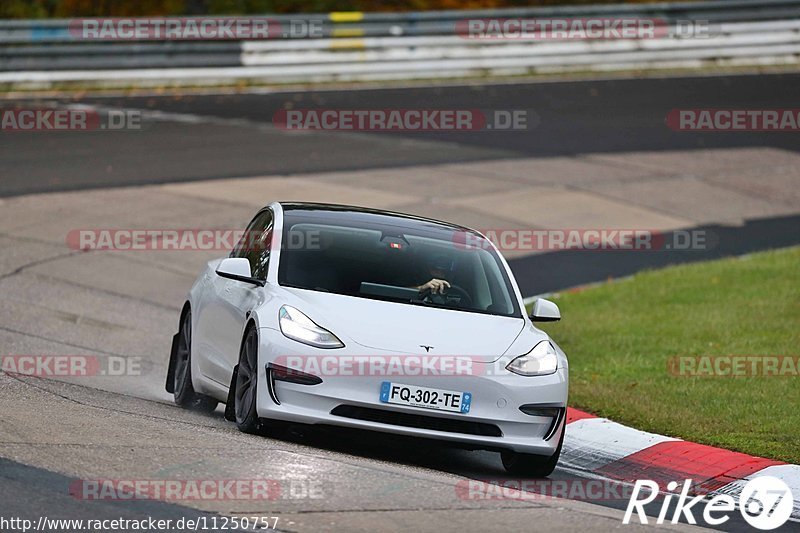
350	399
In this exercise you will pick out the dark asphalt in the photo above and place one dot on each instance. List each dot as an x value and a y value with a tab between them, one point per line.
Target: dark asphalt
29	493
538	274
233	136
572	118
480	465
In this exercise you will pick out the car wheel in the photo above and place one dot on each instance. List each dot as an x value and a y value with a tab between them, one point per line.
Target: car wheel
528	464
245	394
185	396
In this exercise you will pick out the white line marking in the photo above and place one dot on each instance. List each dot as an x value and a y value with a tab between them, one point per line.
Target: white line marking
592	443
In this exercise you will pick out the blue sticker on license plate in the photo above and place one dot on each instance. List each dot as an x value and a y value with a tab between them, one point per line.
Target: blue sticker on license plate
425	398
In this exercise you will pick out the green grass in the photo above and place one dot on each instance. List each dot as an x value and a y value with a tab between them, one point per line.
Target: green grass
619	337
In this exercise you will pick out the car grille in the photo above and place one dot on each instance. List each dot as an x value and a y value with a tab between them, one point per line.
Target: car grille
417	421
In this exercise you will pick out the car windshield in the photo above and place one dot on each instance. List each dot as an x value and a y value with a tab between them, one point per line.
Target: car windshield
388	257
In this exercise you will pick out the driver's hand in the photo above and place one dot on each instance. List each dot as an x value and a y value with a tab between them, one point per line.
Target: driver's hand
436	286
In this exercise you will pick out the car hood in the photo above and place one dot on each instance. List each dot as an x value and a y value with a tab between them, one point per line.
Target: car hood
405	328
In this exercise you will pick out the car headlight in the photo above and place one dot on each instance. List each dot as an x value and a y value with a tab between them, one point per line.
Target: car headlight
540	361
299	327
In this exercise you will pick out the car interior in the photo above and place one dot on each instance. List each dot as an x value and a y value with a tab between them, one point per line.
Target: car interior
352	261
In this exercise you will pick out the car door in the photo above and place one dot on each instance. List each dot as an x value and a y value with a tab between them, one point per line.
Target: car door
227	310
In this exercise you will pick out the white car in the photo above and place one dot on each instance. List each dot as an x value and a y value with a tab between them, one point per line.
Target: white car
354	317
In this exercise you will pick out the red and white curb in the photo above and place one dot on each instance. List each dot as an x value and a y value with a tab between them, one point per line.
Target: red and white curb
610	450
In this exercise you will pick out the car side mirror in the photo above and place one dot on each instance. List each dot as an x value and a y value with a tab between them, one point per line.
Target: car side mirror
237	268
545	311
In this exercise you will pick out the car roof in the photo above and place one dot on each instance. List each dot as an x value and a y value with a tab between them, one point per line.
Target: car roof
314	206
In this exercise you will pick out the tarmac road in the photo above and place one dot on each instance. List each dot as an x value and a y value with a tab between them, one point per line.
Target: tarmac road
234	136
599	145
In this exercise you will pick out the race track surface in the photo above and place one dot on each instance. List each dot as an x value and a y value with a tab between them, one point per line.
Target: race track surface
598	156
221	136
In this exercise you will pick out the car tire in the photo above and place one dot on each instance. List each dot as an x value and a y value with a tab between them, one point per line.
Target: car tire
528	464
246	386
184	394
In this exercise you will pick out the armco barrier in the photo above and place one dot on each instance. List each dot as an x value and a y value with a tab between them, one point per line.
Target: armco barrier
374	46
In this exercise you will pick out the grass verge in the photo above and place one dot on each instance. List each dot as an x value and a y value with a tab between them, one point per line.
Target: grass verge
620	336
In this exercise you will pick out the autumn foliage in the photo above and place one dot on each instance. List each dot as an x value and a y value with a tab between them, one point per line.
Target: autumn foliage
128	8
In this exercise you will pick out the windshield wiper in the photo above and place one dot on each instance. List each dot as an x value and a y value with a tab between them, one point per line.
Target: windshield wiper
431	304
381	298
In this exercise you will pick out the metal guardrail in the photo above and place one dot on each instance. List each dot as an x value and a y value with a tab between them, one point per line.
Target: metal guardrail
358	24
363	46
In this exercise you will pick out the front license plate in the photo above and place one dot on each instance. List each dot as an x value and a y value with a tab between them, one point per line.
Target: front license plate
442	400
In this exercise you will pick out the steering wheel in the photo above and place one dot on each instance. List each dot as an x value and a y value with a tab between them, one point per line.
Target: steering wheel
464	299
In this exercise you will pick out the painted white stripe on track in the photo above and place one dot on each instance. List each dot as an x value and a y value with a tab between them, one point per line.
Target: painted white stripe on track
789	474
592	443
